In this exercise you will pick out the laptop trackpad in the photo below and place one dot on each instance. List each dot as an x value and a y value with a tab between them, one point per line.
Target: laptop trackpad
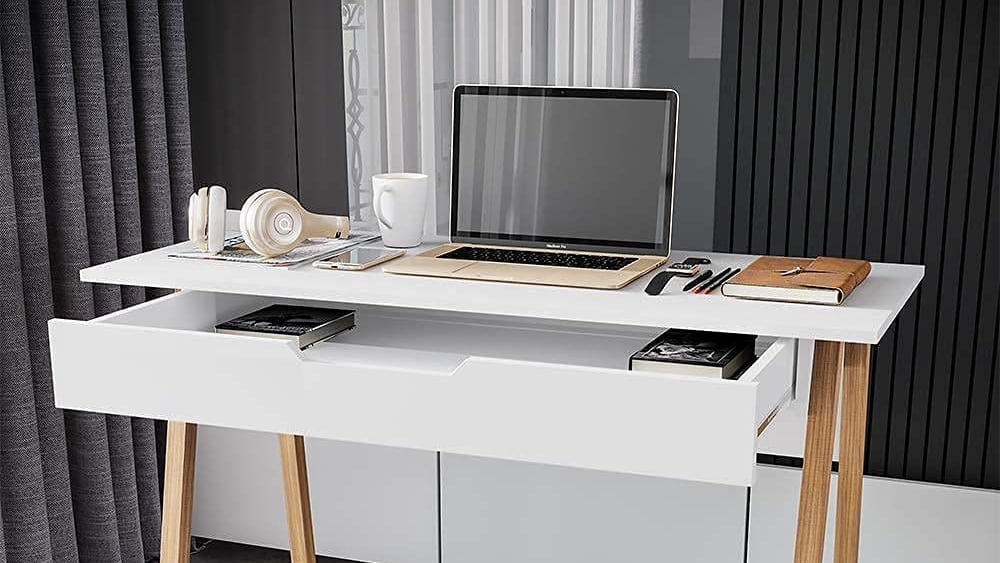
496	271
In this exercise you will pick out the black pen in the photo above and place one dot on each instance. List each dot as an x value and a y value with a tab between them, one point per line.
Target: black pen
707	284
704	276
712	287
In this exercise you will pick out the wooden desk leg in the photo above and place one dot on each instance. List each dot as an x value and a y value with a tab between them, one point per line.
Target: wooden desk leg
178	492
297	508
828	362
853	422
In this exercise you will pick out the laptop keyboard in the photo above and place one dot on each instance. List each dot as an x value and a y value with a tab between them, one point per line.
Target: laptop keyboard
563	259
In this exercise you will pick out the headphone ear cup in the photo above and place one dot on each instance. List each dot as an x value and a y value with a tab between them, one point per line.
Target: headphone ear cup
216	231
198	218
271	222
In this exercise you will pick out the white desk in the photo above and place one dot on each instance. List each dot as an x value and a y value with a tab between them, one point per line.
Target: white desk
440	364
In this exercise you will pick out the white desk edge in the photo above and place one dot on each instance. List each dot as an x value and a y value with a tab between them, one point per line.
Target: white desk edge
863	318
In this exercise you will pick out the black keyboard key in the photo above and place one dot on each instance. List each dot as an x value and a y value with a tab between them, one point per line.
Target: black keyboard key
564	259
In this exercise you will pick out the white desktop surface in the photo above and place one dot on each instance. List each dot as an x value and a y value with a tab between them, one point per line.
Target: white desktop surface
862	318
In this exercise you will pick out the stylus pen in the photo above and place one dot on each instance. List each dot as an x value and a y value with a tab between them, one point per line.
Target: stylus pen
712	287
704	276
708	284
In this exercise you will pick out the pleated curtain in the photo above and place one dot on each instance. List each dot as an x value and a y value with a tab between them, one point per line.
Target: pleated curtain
94	165
403	58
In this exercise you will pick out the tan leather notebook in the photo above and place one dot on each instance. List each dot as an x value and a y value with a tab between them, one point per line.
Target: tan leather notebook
826	281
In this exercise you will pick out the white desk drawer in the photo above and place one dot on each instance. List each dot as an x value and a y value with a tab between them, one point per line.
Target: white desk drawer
493	387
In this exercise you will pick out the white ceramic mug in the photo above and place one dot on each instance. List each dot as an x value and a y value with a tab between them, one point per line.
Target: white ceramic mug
400	202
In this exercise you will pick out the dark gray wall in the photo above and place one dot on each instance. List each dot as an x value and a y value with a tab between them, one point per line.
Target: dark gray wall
681	42
266	95
869	129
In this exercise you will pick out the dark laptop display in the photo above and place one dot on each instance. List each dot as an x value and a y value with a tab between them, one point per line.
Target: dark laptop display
576	168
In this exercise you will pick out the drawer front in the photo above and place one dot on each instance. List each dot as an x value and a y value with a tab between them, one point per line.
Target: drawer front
660	425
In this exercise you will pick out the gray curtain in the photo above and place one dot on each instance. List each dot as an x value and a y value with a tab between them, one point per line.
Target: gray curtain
94	165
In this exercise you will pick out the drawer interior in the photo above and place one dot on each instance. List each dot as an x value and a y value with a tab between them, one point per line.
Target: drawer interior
499	387
427	340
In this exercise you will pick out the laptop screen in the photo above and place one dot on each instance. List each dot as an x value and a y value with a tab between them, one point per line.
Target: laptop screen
579	168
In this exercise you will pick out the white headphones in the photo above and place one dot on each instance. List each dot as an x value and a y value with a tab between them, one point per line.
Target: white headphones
272	222
207	218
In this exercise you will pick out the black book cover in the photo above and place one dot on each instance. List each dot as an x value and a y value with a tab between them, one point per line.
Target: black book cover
715	349
290	320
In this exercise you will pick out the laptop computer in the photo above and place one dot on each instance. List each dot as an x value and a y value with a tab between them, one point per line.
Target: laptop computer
557	186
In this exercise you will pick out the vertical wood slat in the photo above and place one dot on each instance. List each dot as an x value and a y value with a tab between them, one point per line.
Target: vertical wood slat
826	104
916	225
950	402
805	112
898	180
762	174
746	115
844	106
785	102
873	224
729	82
869	129
936	217
964	463
866	72
990	310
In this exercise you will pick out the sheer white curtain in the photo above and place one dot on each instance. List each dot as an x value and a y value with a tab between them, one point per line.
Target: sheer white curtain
402	58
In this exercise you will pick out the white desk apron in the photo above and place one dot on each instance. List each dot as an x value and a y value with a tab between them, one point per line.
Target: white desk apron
441	364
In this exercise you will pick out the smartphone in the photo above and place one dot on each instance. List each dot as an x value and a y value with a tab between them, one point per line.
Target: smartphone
360	258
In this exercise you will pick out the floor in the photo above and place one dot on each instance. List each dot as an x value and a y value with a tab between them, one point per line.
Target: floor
226	552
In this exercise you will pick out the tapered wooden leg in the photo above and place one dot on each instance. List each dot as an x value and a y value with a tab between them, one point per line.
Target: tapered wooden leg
178	493
297	508
853	422
828	363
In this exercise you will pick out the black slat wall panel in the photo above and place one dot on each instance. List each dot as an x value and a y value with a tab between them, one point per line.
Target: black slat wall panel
869	130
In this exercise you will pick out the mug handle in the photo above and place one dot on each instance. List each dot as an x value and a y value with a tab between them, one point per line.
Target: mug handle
378	207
